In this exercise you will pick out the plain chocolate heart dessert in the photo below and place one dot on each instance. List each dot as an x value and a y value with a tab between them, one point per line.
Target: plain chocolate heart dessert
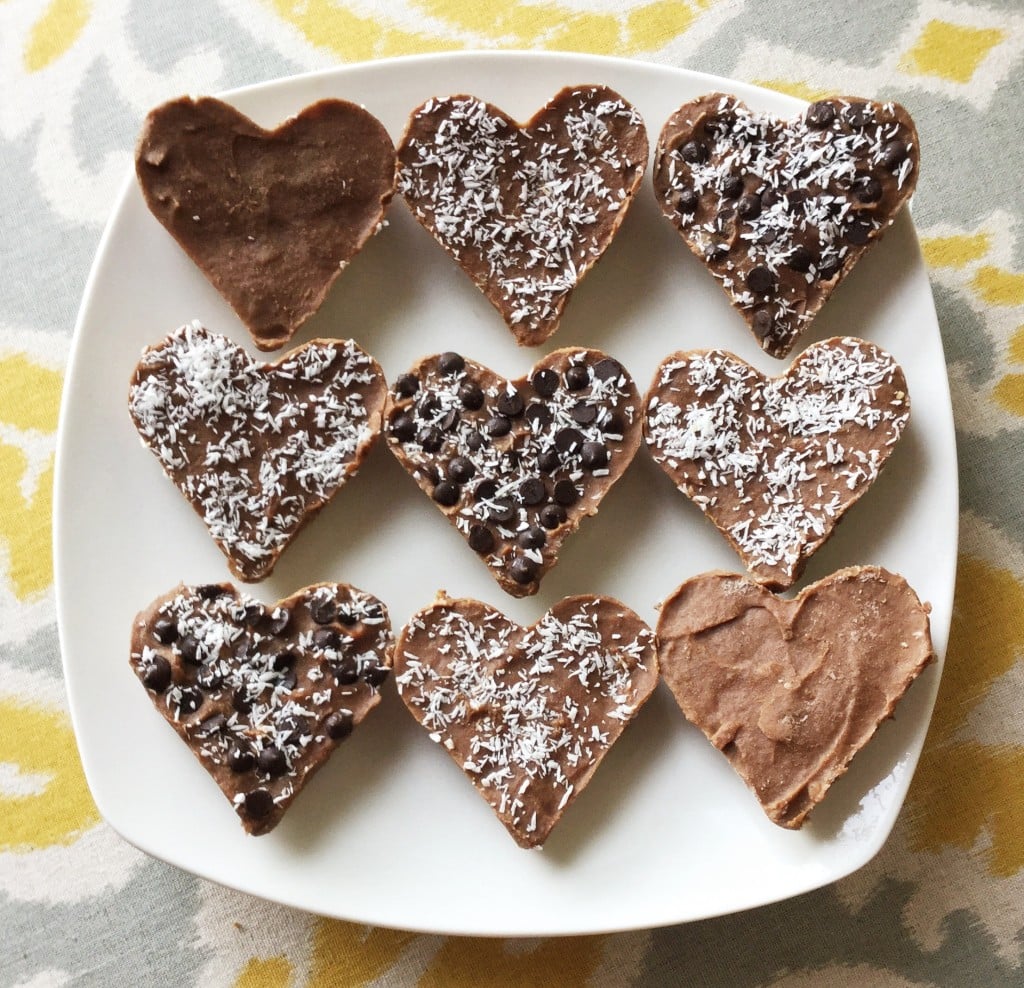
775	462
262	695
271	217
790	690
257	449
526	713
527	210
781	210
515	465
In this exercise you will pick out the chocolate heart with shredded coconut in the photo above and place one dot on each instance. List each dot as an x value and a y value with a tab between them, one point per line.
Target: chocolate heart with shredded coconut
262	695
515	465
526	713
526	210
775	462
271	218
781	210
257	449
791	690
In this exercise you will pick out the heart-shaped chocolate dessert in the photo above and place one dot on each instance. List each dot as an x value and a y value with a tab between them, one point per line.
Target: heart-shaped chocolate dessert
270	217
526	713
775	462
262	695
516	465
791	690
526	210
257	449
781	210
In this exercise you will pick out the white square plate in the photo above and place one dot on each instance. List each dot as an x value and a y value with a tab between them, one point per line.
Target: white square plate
390	832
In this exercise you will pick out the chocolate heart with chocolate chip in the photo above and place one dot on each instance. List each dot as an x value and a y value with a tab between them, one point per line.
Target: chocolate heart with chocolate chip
257	449
515	465
790	690
526	713
775	462
526	210
270	217
262	695
781	210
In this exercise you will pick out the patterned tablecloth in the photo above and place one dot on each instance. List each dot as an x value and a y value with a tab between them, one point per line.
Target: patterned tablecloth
944	901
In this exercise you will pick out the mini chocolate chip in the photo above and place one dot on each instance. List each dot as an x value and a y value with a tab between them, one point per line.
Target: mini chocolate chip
188	649
732	187
191	700
461	469
257	804
538	415
576	377
212	725
157	674
346	671
687	201
716	251
447	493
475	440
450	420
820	114
749	206
800	258
615	425
568	440
594	456
523	570
694	152
552	515
533	491
762	323
288	681
760	280
403	428
533	537
498	426
272	761
450	362
210	591
565	493
277	620
584	413
502	510
241	760
894	153
867	189
510	404
348	619
858	233
472	396
828	271
545	382
485	490
549	460
253	613
608	368
374	675
322	611
209	680
285	659
796	197
407	385
326	638
858	115
297	728
481	539
769	197
240	702
338	725
165	631
430	438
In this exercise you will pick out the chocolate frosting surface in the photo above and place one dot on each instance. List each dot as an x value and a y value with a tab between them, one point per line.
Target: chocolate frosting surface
781	210
525	210
270	217
526	713
791	690
262	695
